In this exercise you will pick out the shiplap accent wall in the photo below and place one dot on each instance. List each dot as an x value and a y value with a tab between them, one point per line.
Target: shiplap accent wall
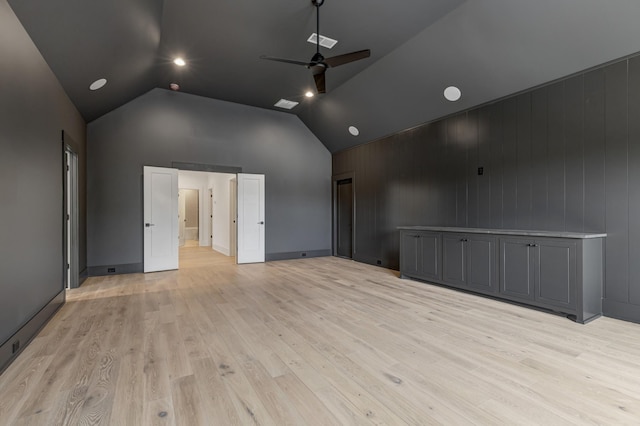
565	156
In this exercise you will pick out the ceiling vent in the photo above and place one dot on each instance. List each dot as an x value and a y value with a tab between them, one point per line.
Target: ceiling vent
324	41
283	103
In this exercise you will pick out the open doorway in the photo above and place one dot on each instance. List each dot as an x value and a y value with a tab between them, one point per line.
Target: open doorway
231	223
189	217
206	219
71	212
343	216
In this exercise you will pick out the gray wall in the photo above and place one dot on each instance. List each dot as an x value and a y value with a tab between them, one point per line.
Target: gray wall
162	127
33	112
561	157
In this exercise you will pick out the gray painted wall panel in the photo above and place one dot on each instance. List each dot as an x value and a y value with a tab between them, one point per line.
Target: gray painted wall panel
634	176
594	152
510	164
616	180
34	110
556	195
539	184
161	127
473	153
562	157
484	161
496	168
451	191
524	178
574	153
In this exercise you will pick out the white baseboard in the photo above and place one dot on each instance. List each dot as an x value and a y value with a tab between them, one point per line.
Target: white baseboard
220	249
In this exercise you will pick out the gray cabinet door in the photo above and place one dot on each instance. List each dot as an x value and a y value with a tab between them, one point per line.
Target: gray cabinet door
454	259
430	248
517	277
410	254
481	263
556	273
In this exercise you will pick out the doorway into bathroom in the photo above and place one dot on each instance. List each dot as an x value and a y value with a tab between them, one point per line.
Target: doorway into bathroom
188	216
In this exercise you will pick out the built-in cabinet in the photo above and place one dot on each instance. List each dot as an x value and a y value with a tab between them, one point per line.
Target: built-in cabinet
469	260
557	271
421	254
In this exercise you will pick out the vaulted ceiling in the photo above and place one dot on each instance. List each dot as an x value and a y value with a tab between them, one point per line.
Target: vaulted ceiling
487	48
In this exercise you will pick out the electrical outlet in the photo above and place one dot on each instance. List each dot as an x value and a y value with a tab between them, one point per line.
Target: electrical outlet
378	262
15	346
480	171
304	254
111	270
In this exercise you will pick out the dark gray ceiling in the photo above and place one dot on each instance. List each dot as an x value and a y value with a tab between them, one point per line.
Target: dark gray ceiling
488	48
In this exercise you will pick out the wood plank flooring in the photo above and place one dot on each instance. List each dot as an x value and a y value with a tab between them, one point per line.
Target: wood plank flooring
322	341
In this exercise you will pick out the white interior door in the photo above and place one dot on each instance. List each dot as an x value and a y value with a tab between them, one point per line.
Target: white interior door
250	218
160	214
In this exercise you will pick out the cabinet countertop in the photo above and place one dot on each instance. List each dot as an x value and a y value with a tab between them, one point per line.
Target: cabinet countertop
515	232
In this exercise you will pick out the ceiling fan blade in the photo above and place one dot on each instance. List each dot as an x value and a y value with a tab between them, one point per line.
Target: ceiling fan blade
335	61
320	81
286	61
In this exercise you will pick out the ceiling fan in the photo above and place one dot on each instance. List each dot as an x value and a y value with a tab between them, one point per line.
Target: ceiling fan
318	63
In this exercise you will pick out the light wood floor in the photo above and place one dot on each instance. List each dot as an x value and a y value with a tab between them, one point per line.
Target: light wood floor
321	341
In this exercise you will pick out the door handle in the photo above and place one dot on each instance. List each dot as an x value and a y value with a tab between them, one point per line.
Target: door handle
261	222
147	225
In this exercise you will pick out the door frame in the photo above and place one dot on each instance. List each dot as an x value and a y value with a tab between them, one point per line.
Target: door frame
70	217
217	168
334	211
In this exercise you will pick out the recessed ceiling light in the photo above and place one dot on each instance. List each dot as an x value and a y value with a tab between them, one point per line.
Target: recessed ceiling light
179	62
286	104
309	94
98	84
452	93
354	130
174	86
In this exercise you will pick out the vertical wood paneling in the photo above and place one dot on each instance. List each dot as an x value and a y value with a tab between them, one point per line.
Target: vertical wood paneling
497	161
539	159
634	179
450	195
510	164
594	152
555	158
617	213
473	182
574	153
562	157
484	161
441	168
364	201
524	177
461	155
417	155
